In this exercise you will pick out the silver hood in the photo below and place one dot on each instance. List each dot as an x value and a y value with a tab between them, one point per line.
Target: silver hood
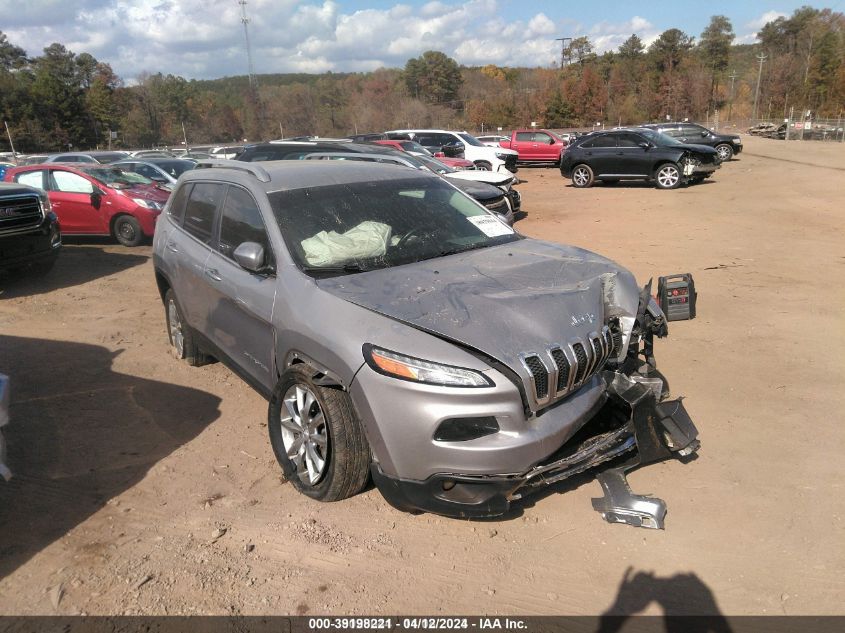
505	301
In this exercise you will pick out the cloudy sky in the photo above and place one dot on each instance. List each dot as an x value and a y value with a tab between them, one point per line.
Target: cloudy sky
204	39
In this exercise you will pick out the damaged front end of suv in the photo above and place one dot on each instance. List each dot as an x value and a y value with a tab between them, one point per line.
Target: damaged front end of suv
599	386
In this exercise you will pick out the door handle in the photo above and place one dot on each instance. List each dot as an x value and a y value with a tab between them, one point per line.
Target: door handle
171	247
212	272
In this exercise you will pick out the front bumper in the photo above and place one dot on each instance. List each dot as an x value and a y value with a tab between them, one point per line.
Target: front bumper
39	245
630	422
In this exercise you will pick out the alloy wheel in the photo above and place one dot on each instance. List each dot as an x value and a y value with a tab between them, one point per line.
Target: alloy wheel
580	176
668	176
177	336
304	433
724	153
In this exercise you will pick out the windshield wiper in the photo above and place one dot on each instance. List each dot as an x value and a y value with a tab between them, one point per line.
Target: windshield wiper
346	268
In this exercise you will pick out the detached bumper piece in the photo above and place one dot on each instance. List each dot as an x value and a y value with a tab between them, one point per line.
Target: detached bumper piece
632	423
660	430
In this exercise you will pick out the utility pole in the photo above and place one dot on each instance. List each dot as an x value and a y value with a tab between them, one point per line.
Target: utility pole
761	58
245	21
732	77
565	51
185	137
12	145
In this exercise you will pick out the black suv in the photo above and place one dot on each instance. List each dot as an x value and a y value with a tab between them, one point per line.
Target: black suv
636	154
29	230
726	144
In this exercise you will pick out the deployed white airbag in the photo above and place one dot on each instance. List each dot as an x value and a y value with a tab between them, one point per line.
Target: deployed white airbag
368	239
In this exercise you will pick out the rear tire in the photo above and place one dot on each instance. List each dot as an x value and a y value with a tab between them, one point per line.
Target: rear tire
667	176
317	437
582	176
181	335
127	230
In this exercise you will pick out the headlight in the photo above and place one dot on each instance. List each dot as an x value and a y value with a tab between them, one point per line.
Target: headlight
149	204
417	370
502	156
737	141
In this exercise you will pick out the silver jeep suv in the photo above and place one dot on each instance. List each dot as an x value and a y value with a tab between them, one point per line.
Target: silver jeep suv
401	331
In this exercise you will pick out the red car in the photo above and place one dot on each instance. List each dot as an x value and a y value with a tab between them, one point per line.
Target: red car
97	199
412	147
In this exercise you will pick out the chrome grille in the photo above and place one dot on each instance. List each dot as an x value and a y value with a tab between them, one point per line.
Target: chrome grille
540	374
561	370
20	212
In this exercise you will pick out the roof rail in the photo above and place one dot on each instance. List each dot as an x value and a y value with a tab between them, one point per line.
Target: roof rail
362	157
256	170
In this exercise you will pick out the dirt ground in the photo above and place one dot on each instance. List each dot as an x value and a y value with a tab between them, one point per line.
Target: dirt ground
144	486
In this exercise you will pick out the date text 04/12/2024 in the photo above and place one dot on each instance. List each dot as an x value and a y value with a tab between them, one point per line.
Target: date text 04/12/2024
417	623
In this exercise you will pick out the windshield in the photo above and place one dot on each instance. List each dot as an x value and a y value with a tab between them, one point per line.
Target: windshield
658	138
175	168
471	140
413	146
117	178
435	165
341	229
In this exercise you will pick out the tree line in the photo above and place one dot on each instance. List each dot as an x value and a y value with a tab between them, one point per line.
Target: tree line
62	100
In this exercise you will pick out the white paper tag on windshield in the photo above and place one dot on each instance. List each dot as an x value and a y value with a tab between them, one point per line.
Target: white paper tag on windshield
490	226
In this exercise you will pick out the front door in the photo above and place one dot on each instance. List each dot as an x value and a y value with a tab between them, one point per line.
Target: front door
78	211
631	158
241	301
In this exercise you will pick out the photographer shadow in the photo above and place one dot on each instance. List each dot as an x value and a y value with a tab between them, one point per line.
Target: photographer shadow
688	604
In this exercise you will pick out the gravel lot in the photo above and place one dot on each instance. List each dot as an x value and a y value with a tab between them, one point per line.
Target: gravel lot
146	486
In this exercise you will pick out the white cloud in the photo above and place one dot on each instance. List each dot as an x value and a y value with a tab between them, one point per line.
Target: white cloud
205	38
608	36
769	16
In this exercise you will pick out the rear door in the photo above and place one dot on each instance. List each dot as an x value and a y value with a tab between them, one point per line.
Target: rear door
189	248
70	196
241	301
601	155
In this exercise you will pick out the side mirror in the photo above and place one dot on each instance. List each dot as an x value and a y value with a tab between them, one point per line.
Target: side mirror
250	256
644	145
551	141
705	133
96	198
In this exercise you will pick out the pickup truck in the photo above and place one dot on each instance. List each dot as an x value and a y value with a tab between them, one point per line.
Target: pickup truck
536	146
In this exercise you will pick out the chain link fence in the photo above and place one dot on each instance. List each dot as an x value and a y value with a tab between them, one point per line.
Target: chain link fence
830	130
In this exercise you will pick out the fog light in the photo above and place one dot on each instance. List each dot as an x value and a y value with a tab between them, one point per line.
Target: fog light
463	429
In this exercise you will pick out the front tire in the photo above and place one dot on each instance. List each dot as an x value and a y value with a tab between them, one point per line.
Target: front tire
483	165
582	176
127	230
667	176
317	437
725	151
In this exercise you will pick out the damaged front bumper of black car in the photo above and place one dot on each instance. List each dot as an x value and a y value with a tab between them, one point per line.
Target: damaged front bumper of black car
632	426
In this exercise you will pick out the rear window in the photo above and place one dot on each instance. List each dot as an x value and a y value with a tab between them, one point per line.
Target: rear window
199	212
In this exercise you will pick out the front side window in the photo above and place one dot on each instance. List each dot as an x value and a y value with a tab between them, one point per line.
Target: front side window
241	222
337	229
70	183
199	212
471	140
542	137
629	140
